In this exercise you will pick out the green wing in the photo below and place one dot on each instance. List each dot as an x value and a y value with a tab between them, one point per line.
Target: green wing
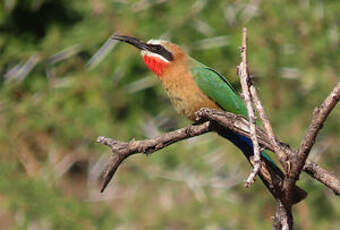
218	89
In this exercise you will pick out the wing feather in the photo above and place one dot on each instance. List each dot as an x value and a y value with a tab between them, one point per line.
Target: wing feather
219	89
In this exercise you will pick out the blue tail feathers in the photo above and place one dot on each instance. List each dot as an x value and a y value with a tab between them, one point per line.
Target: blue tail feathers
245	145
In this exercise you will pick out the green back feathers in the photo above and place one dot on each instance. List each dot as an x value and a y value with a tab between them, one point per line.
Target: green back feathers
218	89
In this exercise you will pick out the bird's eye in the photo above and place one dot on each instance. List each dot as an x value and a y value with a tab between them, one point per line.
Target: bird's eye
158	47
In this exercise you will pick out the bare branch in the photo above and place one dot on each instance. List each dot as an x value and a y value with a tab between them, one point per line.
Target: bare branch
123	150
245	83
319	116
237	124
283	220
277	147
271	178
322	175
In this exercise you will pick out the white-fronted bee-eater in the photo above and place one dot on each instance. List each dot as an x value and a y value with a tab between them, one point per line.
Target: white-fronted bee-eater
192	85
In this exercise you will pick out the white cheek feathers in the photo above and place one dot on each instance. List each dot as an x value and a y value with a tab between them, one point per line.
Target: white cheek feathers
150	54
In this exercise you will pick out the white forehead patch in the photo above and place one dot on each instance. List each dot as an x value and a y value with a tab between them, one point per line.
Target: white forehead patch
150	54
155	42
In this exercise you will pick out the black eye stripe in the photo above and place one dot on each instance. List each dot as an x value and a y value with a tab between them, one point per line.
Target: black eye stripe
159	49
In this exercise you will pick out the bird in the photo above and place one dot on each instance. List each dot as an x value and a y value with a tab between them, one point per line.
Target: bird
191	85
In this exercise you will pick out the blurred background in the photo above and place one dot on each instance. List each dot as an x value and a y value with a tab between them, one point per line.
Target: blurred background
52	108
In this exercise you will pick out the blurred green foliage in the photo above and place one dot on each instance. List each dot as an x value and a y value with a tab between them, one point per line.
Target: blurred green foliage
51	114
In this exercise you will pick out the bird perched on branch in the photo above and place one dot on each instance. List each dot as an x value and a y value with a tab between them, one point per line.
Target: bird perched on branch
191	86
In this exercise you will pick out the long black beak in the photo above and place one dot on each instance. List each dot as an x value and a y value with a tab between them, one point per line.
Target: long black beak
132	41
154	48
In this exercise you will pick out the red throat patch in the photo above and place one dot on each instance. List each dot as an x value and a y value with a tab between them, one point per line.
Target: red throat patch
156	64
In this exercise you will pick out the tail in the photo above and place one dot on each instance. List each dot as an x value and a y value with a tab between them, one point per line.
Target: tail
270	173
